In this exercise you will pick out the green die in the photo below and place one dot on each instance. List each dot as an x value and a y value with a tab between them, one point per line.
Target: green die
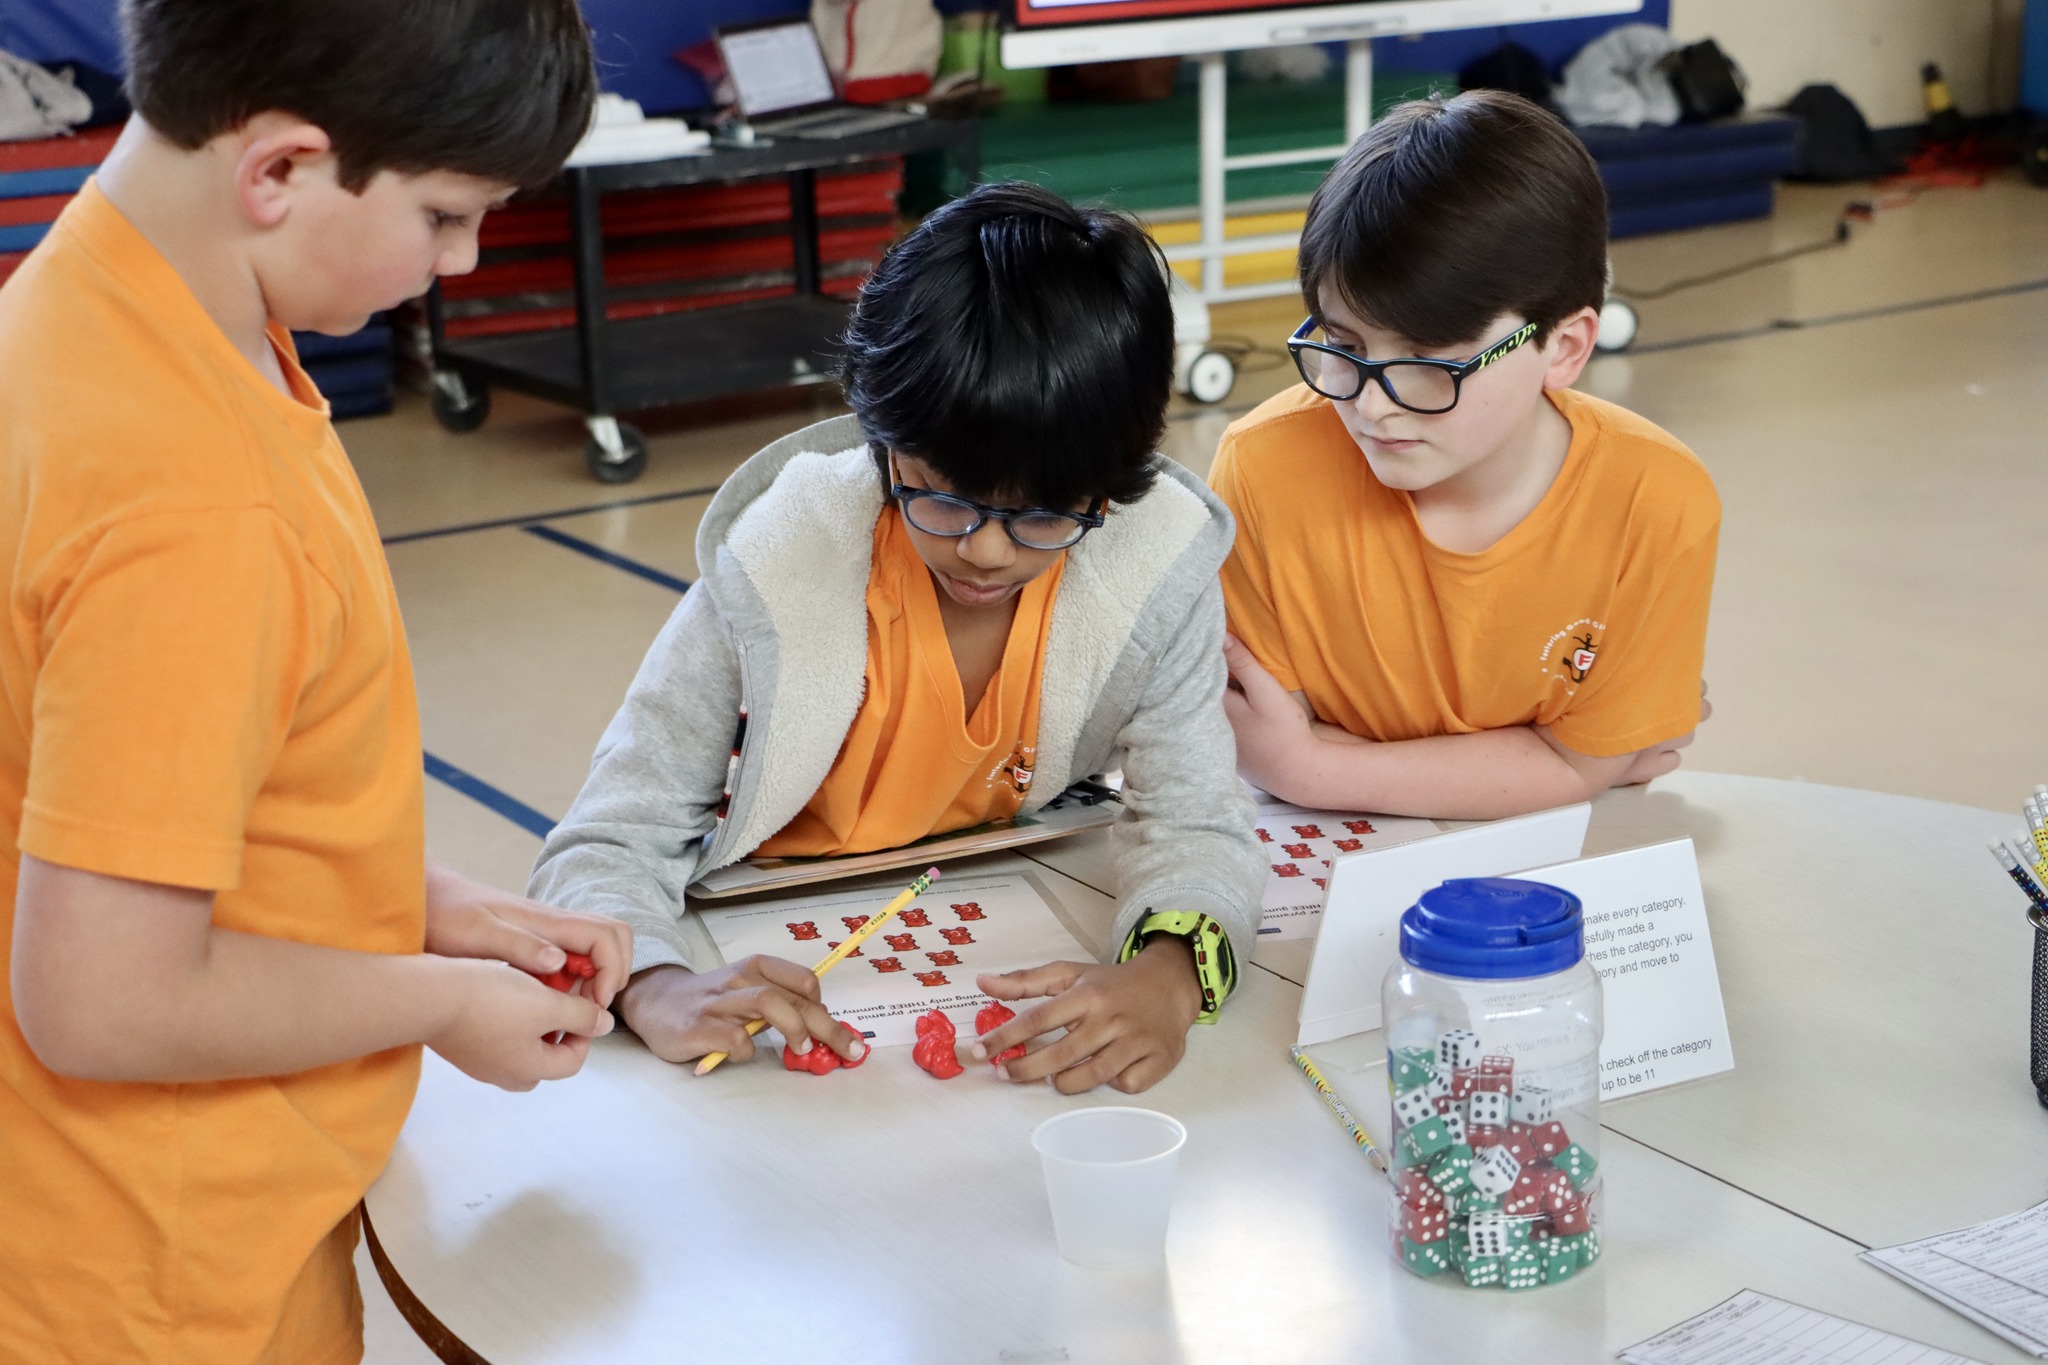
1481	1271
1578	1163
1520	1232
1425	1258
1410	1067
1522	1268
1451	1171
1472	1201
1560	1259
1406	1154
1429	1138
1590	1251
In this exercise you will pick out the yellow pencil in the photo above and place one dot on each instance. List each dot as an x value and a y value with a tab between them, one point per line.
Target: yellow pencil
1329	1094
839	954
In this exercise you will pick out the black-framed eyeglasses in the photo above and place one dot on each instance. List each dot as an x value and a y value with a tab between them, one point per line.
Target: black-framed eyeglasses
1419	385
952	516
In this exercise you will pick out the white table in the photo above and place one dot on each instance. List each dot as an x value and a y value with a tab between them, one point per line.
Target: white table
636	1213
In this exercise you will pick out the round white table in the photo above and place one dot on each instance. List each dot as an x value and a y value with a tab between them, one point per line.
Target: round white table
1875	966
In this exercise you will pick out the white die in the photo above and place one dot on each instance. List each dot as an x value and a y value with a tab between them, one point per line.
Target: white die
1414	1106
1457	1048
1454	1123
1487	1234
1438	1087
1486	1109
1532	1105
1494	1171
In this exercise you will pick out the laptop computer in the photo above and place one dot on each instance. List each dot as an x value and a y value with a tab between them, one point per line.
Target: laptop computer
784	88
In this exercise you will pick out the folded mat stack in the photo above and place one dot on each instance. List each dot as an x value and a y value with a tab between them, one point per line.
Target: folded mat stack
667	250
1693	174
38	178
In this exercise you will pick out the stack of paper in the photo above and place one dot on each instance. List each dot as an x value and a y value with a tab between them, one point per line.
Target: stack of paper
1756	1329
1994	1274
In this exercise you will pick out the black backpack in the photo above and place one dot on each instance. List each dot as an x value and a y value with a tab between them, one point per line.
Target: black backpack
1837	144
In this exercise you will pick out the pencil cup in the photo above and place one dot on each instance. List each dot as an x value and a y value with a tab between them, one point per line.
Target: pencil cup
1109	1177
2039	1058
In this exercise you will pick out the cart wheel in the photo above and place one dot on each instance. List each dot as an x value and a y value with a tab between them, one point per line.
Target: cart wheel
624	467
1211	377
458	405
1618	325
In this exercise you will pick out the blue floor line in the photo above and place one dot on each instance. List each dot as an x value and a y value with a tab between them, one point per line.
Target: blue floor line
483	793
604	556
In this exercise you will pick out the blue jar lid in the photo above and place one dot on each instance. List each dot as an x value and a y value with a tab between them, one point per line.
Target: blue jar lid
1490	927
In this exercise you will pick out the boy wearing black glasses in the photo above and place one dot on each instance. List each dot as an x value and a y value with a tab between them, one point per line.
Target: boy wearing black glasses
1460	588
938	612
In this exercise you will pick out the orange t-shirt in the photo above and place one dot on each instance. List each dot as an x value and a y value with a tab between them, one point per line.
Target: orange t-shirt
915	763
1590	616
203	683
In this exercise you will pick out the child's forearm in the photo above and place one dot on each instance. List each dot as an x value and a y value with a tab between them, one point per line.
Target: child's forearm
125	981
1485	775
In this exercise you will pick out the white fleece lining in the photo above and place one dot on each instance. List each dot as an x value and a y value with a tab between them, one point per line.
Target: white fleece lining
806	544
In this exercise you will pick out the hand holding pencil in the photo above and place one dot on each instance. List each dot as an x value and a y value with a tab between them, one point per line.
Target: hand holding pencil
840	954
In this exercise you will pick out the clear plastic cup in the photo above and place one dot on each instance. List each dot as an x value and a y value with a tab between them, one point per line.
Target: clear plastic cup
1109	1176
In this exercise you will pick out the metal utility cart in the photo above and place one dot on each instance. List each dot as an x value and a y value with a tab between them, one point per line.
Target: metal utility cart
605	367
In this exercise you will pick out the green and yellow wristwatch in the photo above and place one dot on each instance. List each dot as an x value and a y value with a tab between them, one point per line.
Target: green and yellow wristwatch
1215	962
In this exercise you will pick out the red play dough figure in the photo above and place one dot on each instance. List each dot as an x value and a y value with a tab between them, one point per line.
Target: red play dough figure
575	968
821	1059
991	1017
934	1050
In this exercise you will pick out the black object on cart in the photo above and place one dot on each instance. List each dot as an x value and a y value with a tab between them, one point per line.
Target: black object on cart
606	367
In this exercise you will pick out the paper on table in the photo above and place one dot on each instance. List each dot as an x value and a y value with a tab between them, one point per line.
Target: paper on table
1299	845
925	959
1756	1329
1994	1273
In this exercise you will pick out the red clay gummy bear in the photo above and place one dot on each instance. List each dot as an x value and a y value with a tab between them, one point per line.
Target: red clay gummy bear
575	967
821	1059
935	1042
991	1017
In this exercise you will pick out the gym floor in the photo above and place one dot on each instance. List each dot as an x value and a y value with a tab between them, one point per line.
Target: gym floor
1874	415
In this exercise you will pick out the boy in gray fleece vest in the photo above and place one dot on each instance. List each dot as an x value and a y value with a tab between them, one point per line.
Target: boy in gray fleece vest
992	523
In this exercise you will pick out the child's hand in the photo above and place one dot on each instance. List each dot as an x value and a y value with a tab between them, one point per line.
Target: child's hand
468	919
682	1015
1275	733
500	1019
1127	1024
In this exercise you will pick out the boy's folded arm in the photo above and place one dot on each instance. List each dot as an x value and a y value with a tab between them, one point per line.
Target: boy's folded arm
634	838
1186	842
1483	775
118	980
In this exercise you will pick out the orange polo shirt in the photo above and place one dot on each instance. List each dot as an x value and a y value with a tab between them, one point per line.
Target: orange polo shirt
1590	616
916	762
203	683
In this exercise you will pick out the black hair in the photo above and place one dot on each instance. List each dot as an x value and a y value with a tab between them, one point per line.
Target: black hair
1449	212
497	89
1020	346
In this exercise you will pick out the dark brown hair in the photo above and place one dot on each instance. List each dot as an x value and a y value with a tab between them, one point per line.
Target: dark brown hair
1021	346
1450	212
497	89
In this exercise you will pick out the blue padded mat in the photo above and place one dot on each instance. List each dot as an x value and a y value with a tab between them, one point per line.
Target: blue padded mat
28	184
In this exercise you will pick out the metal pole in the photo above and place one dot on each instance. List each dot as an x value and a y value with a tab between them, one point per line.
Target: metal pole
1357	88
1212	153
586	246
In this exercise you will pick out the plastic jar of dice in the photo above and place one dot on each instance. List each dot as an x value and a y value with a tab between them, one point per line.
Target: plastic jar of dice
1492	1021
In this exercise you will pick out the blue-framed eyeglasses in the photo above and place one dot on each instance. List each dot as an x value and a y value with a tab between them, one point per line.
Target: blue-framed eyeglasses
1419	385
952	516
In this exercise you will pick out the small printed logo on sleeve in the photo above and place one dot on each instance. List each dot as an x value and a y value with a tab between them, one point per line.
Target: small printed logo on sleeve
1570	654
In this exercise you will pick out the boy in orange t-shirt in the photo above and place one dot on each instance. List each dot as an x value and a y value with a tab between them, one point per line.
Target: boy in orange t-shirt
225	942
1459	588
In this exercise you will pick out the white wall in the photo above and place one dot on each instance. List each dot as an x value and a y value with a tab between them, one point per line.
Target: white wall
1872	49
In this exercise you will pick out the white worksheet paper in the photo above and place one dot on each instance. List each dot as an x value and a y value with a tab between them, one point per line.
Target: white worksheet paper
1299	845
925	959
1995	1273
1756	1329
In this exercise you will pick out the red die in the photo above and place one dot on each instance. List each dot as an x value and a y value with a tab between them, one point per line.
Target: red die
1464	1080
1574	1217
1521	1144
1424	1225
1495	1065
1558	1192
1483	1137
1415	1189
1550	1139
1526	1198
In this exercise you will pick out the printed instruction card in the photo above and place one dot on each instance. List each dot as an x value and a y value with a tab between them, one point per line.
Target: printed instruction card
924	959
